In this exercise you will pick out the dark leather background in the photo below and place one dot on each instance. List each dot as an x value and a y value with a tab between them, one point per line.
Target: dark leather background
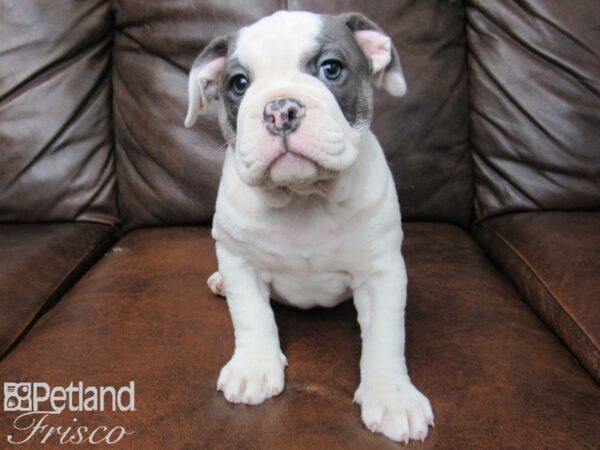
56	158
534	74
534	96
169	175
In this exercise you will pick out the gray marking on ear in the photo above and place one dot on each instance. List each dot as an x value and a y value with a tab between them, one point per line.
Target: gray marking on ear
391	78
204	77
217	87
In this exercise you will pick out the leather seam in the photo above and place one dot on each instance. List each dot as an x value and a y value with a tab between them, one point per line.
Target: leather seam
62	287
542	283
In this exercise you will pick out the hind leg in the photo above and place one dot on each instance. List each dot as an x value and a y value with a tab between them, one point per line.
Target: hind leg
215	284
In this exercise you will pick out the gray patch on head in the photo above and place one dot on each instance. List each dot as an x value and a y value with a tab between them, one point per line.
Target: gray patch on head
218	47
353	92
230	104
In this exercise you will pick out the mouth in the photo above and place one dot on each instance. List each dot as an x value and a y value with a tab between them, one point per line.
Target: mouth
296	171
289	155
291	169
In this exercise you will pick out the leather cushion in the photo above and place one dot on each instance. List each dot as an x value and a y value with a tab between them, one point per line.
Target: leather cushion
495	376
553	258
534	74
38	263
169	175
56	154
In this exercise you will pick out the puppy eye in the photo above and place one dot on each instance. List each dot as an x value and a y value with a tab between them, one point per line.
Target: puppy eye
239	84
330	69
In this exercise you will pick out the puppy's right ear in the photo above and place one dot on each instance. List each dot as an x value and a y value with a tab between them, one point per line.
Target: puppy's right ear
204	78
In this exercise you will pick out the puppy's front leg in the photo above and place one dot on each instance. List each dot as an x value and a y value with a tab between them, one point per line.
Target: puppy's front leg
256	369
390	404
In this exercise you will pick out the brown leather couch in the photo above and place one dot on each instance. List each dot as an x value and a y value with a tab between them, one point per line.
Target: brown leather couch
106	202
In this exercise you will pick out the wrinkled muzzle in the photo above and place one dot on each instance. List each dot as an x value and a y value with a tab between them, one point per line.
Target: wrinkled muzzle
292	134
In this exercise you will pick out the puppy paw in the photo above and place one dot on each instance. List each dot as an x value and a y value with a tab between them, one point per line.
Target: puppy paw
395	409
251	379
215	284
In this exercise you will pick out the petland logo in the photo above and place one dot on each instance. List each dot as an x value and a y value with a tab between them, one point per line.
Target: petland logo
39	403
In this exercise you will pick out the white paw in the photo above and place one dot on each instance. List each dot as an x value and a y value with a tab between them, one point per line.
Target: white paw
252	378
215	284
395	409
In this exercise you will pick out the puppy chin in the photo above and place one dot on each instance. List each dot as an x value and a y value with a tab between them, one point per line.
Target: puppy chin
292	170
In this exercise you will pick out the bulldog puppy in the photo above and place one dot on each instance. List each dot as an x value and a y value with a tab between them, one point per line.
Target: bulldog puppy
307	211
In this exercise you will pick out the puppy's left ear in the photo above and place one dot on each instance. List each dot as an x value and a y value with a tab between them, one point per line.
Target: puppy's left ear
204	78
378	47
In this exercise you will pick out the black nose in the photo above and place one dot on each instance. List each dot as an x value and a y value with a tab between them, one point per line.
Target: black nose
283	116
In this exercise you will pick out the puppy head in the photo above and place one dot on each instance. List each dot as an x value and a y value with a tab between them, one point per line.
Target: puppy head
295	93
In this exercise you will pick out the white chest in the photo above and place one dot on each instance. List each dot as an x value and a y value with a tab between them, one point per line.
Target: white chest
309	289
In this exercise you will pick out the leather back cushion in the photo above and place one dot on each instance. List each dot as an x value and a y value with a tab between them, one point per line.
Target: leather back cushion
535	97
56	160
169	175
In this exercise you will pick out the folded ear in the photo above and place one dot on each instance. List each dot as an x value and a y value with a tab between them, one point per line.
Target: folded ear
204	78
377	46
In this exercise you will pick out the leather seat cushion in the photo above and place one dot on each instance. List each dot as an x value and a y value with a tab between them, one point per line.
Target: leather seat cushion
38	263
493	373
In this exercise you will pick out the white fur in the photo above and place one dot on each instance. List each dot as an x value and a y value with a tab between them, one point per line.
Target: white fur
313	237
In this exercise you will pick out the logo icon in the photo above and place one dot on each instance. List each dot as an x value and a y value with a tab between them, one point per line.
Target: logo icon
17	396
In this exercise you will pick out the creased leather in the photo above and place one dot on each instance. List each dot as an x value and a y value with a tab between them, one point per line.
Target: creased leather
56	158
534	73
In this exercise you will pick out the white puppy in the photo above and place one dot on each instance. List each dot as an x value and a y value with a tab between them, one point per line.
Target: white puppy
307	211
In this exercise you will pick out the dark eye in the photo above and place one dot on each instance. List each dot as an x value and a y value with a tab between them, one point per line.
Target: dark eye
239	84
331	69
